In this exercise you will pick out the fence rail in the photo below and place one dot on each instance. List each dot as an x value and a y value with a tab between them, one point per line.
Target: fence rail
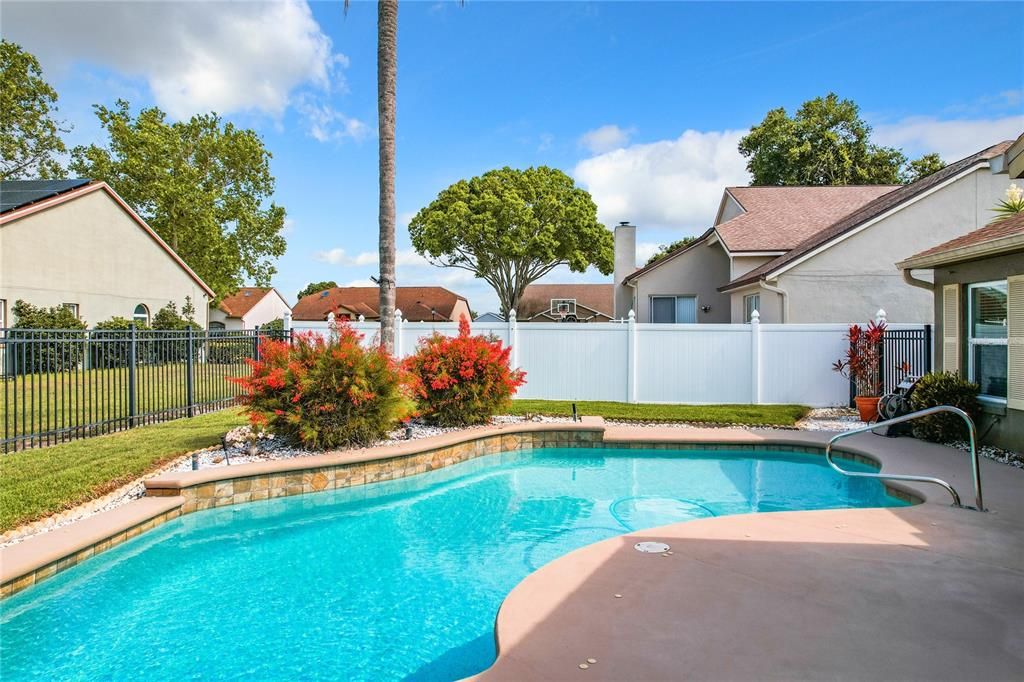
58	385
670	363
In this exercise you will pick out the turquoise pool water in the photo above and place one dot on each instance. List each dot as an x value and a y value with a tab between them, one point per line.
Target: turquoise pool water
396	580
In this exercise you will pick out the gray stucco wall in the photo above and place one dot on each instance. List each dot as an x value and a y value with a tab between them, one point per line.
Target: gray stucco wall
852	279
697	272
1000	425
770	309
90	252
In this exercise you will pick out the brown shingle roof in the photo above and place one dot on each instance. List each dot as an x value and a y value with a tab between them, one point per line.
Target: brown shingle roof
868	212
242	301
779	218
414	302
998	231
595	298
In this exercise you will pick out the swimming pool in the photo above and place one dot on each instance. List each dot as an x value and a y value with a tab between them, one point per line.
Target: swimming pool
393	580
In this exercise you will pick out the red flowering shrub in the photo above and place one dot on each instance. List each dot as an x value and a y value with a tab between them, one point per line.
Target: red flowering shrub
862	363
325	393
462	380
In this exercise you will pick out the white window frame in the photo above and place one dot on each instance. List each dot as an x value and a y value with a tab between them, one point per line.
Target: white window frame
3	313
972	342
747	309
135	316
73	307
675	309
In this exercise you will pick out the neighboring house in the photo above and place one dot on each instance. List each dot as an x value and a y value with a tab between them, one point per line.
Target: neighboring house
978	298
418	304
489	317
567	303
811	254
76	243
249	308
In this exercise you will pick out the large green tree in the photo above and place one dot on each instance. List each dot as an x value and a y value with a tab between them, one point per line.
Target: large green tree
511	227
666	249
923	167
825	142
316	287
30	136
203	185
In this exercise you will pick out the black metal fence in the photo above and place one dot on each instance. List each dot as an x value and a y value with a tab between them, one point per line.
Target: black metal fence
904	352
58	385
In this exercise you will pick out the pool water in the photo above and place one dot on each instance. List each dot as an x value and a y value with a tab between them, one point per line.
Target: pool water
394	580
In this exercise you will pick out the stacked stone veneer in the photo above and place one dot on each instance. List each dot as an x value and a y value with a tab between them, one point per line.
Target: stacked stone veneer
342	475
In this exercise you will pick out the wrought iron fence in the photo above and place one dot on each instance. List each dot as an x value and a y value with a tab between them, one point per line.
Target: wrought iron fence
903	352
58	385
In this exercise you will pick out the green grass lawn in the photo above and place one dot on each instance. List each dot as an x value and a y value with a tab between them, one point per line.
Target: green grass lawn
34	403
753	415
39	482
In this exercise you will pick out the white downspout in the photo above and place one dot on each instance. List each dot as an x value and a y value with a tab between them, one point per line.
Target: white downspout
785	298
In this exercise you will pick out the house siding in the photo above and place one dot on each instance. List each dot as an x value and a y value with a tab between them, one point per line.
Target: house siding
89	251
855	277
1000	426
697	272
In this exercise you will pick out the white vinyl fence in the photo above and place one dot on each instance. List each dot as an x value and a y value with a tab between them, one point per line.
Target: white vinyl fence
658	363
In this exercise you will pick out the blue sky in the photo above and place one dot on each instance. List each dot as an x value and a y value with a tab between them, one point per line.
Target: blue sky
641	102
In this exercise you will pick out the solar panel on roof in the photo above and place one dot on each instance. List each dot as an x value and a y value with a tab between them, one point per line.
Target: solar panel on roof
17	193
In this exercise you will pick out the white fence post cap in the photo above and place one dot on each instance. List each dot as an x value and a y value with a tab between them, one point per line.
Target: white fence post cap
755	317
632	316
362	318
398	314
880	315
512	314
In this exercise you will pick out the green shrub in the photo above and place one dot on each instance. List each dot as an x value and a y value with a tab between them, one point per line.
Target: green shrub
55	337
325	393
110	344
944	388
160	348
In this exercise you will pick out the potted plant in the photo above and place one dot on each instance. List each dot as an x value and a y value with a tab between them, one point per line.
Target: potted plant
862	366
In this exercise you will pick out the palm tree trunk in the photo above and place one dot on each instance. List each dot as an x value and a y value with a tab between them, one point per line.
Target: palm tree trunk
387	76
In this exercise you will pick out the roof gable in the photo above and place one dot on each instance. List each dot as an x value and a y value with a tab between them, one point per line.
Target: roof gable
779	218
244	300
57	199
890	201
416	303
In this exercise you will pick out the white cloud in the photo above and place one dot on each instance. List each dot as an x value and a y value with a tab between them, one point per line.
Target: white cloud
605	138
953	139
338	256
645	250
671	183
327	124
220	56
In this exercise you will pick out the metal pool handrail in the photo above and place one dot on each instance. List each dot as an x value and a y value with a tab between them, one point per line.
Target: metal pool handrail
975	464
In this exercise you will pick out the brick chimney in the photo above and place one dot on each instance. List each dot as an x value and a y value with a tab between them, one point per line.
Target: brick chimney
625	264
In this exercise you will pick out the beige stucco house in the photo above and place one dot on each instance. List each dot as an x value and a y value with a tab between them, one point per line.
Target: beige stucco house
249	308
976	282
76	243
812	254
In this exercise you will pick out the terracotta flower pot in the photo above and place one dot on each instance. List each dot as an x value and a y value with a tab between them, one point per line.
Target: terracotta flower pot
868	408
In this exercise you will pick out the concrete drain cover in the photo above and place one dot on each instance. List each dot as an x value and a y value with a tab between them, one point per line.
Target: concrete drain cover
651	547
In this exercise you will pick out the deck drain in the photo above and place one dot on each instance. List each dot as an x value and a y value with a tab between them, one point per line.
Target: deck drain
651	547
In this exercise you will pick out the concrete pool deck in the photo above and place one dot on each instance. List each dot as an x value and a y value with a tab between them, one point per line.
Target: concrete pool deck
921	592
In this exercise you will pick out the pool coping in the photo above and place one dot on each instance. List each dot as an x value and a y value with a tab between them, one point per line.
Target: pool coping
169	496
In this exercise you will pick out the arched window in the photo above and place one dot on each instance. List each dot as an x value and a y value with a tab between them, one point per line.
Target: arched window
214	326
141	315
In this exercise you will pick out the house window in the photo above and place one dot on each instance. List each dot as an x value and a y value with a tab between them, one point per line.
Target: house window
215	326
986	337
73	307
3	313
141	315
750	304
674	309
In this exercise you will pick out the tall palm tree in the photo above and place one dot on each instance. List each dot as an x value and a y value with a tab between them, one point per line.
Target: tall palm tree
387	78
